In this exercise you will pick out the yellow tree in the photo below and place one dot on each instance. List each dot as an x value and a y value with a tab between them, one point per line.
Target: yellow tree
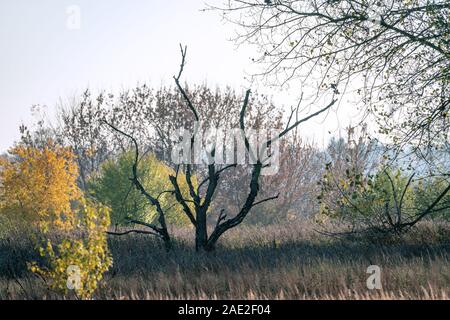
38	185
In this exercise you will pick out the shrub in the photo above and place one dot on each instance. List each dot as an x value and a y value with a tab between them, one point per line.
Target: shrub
384	201
79	261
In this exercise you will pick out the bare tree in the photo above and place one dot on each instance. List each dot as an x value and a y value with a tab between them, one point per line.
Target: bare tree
202	194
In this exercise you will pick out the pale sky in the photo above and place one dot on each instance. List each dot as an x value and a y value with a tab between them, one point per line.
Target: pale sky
118	45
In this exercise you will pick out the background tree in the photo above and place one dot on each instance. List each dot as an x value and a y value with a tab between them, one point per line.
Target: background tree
111	186
301	166
151	116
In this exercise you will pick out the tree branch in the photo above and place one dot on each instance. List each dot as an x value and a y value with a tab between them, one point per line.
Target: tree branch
266	199
133	231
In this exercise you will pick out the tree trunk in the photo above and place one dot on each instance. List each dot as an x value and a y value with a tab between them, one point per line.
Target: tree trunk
167	242
201	231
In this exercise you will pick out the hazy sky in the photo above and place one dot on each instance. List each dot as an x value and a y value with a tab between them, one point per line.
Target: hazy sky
119	44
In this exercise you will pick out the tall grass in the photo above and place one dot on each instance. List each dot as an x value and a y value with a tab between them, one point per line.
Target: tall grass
288	261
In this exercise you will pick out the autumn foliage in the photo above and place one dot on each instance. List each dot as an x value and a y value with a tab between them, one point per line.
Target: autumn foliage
78	262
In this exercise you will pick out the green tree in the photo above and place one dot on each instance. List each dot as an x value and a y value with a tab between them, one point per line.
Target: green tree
112	187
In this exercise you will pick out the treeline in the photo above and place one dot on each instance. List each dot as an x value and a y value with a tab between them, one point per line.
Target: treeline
311	182
82	177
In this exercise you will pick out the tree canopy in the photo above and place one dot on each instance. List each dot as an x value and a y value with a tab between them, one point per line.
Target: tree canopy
394	55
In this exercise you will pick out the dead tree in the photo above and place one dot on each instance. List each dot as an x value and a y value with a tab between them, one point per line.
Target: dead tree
202	195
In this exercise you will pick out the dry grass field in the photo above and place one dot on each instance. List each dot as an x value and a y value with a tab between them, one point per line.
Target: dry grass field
289	261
